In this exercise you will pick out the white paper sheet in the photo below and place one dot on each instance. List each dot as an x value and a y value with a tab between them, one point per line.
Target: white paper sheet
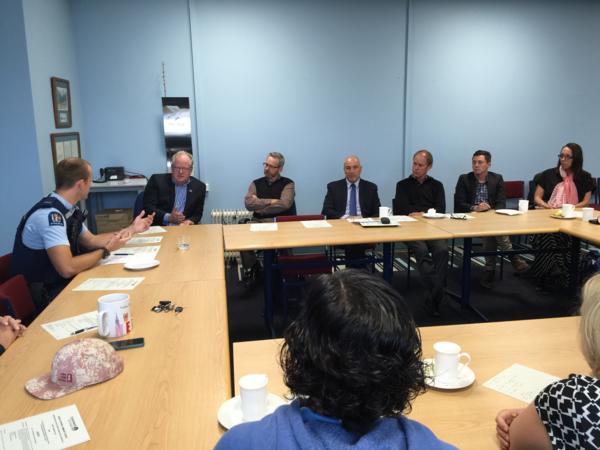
402	219
71	326
520	382
509	212
126	254
144	240
60	428
315	224
109	284
155	229
263	227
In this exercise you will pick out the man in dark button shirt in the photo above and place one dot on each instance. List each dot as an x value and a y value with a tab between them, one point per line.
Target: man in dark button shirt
415	195
482	190
268	197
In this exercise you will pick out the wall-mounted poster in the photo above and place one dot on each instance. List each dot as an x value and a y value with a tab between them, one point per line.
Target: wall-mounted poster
61	102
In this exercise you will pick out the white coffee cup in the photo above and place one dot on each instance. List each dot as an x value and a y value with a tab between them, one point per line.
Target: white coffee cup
114	315
385	211
587	214
447	357
567	210
253	393
524	205
183	242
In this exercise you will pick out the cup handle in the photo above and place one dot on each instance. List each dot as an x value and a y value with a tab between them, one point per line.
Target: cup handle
467	360
101	330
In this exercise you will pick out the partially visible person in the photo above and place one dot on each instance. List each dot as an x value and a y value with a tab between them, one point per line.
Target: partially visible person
176	198
10	330
352	360
482	190
564	415
52	243
269	196
350	197
416	195
565	183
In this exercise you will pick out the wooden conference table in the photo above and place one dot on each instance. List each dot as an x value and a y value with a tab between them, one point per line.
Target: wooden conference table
294	234
341	232
465	417
170	390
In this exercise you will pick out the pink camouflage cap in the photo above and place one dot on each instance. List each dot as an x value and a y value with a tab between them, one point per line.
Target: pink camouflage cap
78	364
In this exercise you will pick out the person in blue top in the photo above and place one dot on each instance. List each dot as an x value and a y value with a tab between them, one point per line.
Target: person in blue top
352	360
52	243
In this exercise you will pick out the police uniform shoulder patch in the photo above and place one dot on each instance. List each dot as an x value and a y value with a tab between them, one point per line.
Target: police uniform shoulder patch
55	219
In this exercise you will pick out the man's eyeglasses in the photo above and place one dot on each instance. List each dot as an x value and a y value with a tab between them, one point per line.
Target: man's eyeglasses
270	166
180	169
561	156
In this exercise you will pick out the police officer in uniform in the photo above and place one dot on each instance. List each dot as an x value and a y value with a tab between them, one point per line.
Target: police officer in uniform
52	243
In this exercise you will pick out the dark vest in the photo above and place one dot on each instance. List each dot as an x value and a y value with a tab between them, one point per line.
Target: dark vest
273	190
35	265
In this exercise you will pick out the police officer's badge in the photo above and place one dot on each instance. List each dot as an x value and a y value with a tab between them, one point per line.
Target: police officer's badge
55	219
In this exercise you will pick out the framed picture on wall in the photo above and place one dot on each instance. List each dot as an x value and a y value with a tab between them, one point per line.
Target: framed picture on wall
64	145
61	102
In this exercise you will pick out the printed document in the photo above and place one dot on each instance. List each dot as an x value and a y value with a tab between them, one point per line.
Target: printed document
71	326
520	382
109	284
60	428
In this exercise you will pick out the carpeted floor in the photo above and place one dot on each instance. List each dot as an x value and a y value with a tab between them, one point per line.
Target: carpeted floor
512	298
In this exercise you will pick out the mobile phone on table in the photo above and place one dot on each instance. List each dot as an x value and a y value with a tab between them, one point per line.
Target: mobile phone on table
127	343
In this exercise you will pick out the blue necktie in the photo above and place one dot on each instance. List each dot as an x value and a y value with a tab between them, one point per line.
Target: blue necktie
352	208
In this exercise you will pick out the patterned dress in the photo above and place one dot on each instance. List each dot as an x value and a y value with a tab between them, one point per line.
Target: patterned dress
570	411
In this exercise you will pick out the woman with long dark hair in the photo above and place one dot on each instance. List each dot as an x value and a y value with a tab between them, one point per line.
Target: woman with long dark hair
565	183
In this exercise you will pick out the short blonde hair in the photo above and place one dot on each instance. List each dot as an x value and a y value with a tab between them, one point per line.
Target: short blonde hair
183	153
590	322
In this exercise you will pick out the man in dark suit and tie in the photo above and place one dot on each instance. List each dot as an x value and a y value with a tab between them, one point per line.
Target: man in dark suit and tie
176	198
351	197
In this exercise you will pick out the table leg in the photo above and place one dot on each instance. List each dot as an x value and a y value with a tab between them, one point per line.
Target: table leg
388	262
268	256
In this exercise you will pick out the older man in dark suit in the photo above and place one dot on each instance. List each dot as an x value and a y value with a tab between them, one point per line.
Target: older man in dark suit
351	197
176	198
482	190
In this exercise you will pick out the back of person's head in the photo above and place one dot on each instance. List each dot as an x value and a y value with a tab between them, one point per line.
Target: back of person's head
70	170
354	352
590	323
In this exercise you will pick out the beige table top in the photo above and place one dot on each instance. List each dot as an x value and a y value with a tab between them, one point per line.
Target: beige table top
203	260
342	232
490	223
464	418
169	391
582	230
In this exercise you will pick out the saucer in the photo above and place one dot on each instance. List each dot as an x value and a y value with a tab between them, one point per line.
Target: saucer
434	215
556	216
141	265
466	377
230	412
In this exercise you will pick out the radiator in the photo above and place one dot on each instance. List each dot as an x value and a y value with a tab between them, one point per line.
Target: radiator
230	217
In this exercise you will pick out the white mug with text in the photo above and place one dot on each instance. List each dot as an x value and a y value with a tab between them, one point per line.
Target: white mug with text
114	315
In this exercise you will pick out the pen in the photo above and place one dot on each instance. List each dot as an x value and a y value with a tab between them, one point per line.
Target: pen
83	330
122	254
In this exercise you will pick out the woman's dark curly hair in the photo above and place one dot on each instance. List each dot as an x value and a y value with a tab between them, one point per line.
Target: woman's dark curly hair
354	352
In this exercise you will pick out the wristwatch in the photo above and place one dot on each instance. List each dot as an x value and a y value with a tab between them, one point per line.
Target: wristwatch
105	253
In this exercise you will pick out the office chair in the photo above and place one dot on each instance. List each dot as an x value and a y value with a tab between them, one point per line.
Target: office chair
138	205
16	301
5	267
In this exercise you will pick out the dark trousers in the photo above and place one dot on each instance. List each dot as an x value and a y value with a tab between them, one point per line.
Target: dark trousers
432	263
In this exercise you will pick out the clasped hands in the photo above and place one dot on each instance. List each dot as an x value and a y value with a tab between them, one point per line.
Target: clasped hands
178	218
10	329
